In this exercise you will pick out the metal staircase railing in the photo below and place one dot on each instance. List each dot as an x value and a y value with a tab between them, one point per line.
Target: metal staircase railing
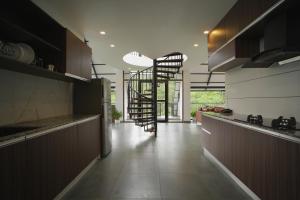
142	90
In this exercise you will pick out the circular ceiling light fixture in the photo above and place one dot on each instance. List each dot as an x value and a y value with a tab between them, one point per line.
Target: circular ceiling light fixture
112	45
206	32
102	33
196	45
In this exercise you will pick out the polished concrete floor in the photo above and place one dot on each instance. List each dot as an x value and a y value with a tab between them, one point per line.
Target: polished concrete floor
170	167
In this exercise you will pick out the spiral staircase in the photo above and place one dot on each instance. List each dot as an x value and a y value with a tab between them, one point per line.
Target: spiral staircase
142	90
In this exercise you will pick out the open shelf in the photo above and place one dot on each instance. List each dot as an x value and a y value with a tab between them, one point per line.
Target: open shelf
15	31
16	66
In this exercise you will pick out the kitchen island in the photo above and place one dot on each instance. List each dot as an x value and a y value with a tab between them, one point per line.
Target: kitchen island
263	161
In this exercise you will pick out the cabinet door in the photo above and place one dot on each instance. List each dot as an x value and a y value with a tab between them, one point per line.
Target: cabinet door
73	54
61	154
88	142
86	61
36	165
12	171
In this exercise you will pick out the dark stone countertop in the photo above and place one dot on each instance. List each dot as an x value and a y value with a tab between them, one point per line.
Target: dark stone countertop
240	120
42	126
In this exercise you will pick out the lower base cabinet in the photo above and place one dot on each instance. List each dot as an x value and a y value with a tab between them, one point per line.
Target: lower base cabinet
12	173
41	167
267	165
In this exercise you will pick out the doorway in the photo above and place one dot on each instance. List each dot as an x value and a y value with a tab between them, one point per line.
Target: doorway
169	100
162	101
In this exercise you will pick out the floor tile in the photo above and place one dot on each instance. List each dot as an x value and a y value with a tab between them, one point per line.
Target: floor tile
169	167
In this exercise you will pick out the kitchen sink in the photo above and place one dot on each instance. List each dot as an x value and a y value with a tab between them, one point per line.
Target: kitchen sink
10	130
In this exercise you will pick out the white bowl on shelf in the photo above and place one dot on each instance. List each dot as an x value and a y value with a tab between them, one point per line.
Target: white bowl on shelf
26	53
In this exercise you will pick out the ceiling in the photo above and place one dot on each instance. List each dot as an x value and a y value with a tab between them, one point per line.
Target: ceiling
151	27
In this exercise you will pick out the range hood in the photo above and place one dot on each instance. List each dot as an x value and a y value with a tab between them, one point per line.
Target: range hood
280	41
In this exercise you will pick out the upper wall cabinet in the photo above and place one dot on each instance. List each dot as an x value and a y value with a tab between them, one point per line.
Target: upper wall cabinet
21	21
78	61
24	22
242	16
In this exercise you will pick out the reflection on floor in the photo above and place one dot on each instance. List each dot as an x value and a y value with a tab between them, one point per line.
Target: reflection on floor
170	167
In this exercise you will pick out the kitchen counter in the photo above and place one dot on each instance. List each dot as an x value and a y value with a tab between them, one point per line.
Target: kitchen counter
239	120
42	127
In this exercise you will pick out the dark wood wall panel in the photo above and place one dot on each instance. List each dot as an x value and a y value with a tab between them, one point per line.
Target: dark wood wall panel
268	165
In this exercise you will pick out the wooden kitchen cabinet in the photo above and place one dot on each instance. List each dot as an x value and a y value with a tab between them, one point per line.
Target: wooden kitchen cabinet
55	159
73	54
78	57
61	158
37	179
88	142
228	45
12	171
86	61
242	14
268	165
236	53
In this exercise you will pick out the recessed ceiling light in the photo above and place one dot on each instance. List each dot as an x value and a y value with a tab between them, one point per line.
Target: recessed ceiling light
206	32
102	33
112	45
196	45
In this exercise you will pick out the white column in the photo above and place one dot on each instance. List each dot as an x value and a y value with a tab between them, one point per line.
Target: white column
119	90
186	96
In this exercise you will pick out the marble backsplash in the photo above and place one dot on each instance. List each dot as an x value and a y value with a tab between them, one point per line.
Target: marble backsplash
26	98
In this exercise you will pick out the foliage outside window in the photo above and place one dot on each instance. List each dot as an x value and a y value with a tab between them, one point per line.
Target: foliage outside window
206	98
113	97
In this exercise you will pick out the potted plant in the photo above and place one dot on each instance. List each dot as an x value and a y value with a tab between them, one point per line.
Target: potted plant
193	115
116	115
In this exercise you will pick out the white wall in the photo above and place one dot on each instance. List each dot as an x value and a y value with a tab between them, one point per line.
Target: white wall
270	92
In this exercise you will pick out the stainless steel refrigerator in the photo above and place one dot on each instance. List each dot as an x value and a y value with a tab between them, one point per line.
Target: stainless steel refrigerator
95	98
106	117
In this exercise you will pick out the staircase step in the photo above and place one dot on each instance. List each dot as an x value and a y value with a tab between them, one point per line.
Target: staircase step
168	61
140	108
144	118
173	54
165	71
142	99
144	103
148	123
141	113
161	76
169	66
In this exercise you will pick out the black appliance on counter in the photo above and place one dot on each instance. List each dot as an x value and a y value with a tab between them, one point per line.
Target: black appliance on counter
258	120
284	124
281	123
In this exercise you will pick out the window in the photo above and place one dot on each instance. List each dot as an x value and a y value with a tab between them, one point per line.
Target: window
206	98
113	97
